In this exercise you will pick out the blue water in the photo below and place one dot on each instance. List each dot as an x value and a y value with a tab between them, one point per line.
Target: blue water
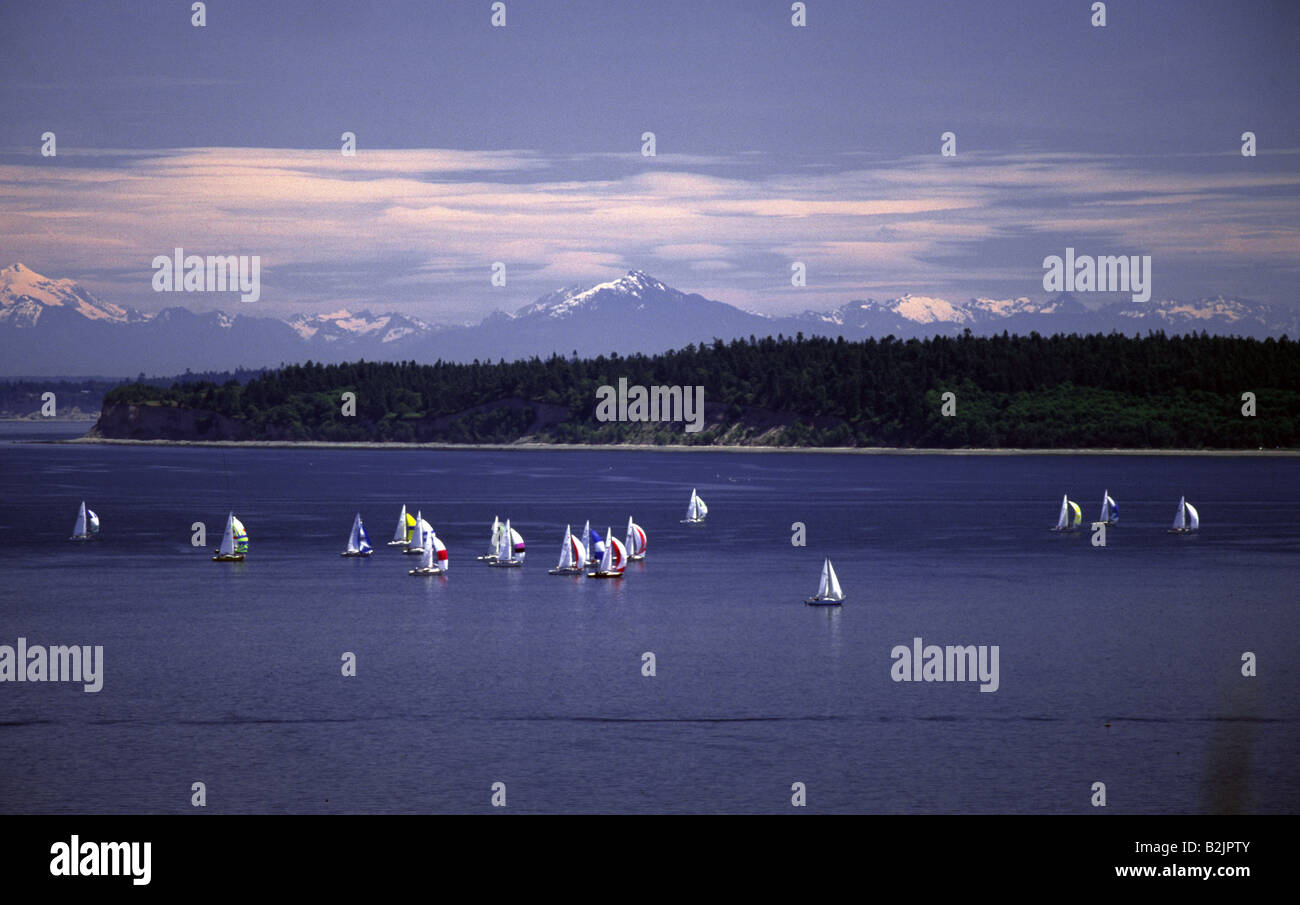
1119	664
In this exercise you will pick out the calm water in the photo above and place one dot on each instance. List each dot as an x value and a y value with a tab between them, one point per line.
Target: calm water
1119	665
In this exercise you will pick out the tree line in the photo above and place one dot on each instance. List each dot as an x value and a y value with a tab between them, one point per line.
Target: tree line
1032	391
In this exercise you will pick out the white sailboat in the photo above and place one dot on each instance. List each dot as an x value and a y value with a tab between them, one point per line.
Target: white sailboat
828	591
491	555
358	540
509	548
614	560
636	541
416	545
1187	518
433	558
234	542
1071	515
572	555
405	526
87	526
696	511
1109	509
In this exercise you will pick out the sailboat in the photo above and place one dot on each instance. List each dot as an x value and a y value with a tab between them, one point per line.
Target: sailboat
1071	515
433	558
696	511
1187	520
405	526
572	555
614	560
828	591
358	541
1109	509
509	543
636	542
491	555
415	547
87	525
234	542
595	545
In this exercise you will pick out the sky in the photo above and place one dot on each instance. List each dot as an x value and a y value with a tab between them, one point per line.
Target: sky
775	144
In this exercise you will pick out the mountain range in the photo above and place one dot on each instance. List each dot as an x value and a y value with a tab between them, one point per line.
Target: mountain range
55	327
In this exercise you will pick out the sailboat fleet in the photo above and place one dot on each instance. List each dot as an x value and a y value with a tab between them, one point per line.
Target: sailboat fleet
588	553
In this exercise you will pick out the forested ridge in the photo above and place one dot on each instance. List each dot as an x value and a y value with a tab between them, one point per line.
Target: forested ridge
1030	391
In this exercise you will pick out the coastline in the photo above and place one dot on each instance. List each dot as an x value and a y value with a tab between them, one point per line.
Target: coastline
646	447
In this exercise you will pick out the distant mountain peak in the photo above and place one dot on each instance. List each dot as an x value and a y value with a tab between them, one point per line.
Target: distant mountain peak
25	295
634	285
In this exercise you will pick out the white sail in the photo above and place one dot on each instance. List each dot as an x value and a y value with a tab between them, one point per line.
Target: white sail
1063	521
79	529
92	521
505	549
824	586
1180	519
417	538
425	533
566	551
1105	507
228	539
354	539
835	592
607	561
696	511
399	536
636	540
1194	517
440	554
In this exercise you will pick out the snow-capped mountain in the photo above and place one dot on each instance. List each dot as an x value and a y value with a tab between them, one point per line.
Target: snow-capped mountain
56	327
25	295
343	325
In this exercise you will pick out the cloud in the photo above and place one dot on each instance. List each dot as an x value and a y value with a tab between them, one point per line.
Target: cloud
422	227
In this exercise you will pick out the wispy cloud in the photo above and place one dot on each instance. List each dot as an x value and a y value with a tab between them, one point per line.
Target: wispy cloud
421	228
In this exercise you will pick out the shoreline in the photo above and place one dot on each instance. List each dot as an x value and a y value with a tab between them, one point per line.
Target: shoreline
645	447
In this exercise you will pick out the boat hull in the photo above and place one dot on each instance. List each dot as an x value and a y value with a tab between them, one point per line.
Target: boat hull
233	557
487	557
413	551
397	543
692	521
564	571
506	563
433	571
822	601
636	557
356	553
604	574
1181	531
